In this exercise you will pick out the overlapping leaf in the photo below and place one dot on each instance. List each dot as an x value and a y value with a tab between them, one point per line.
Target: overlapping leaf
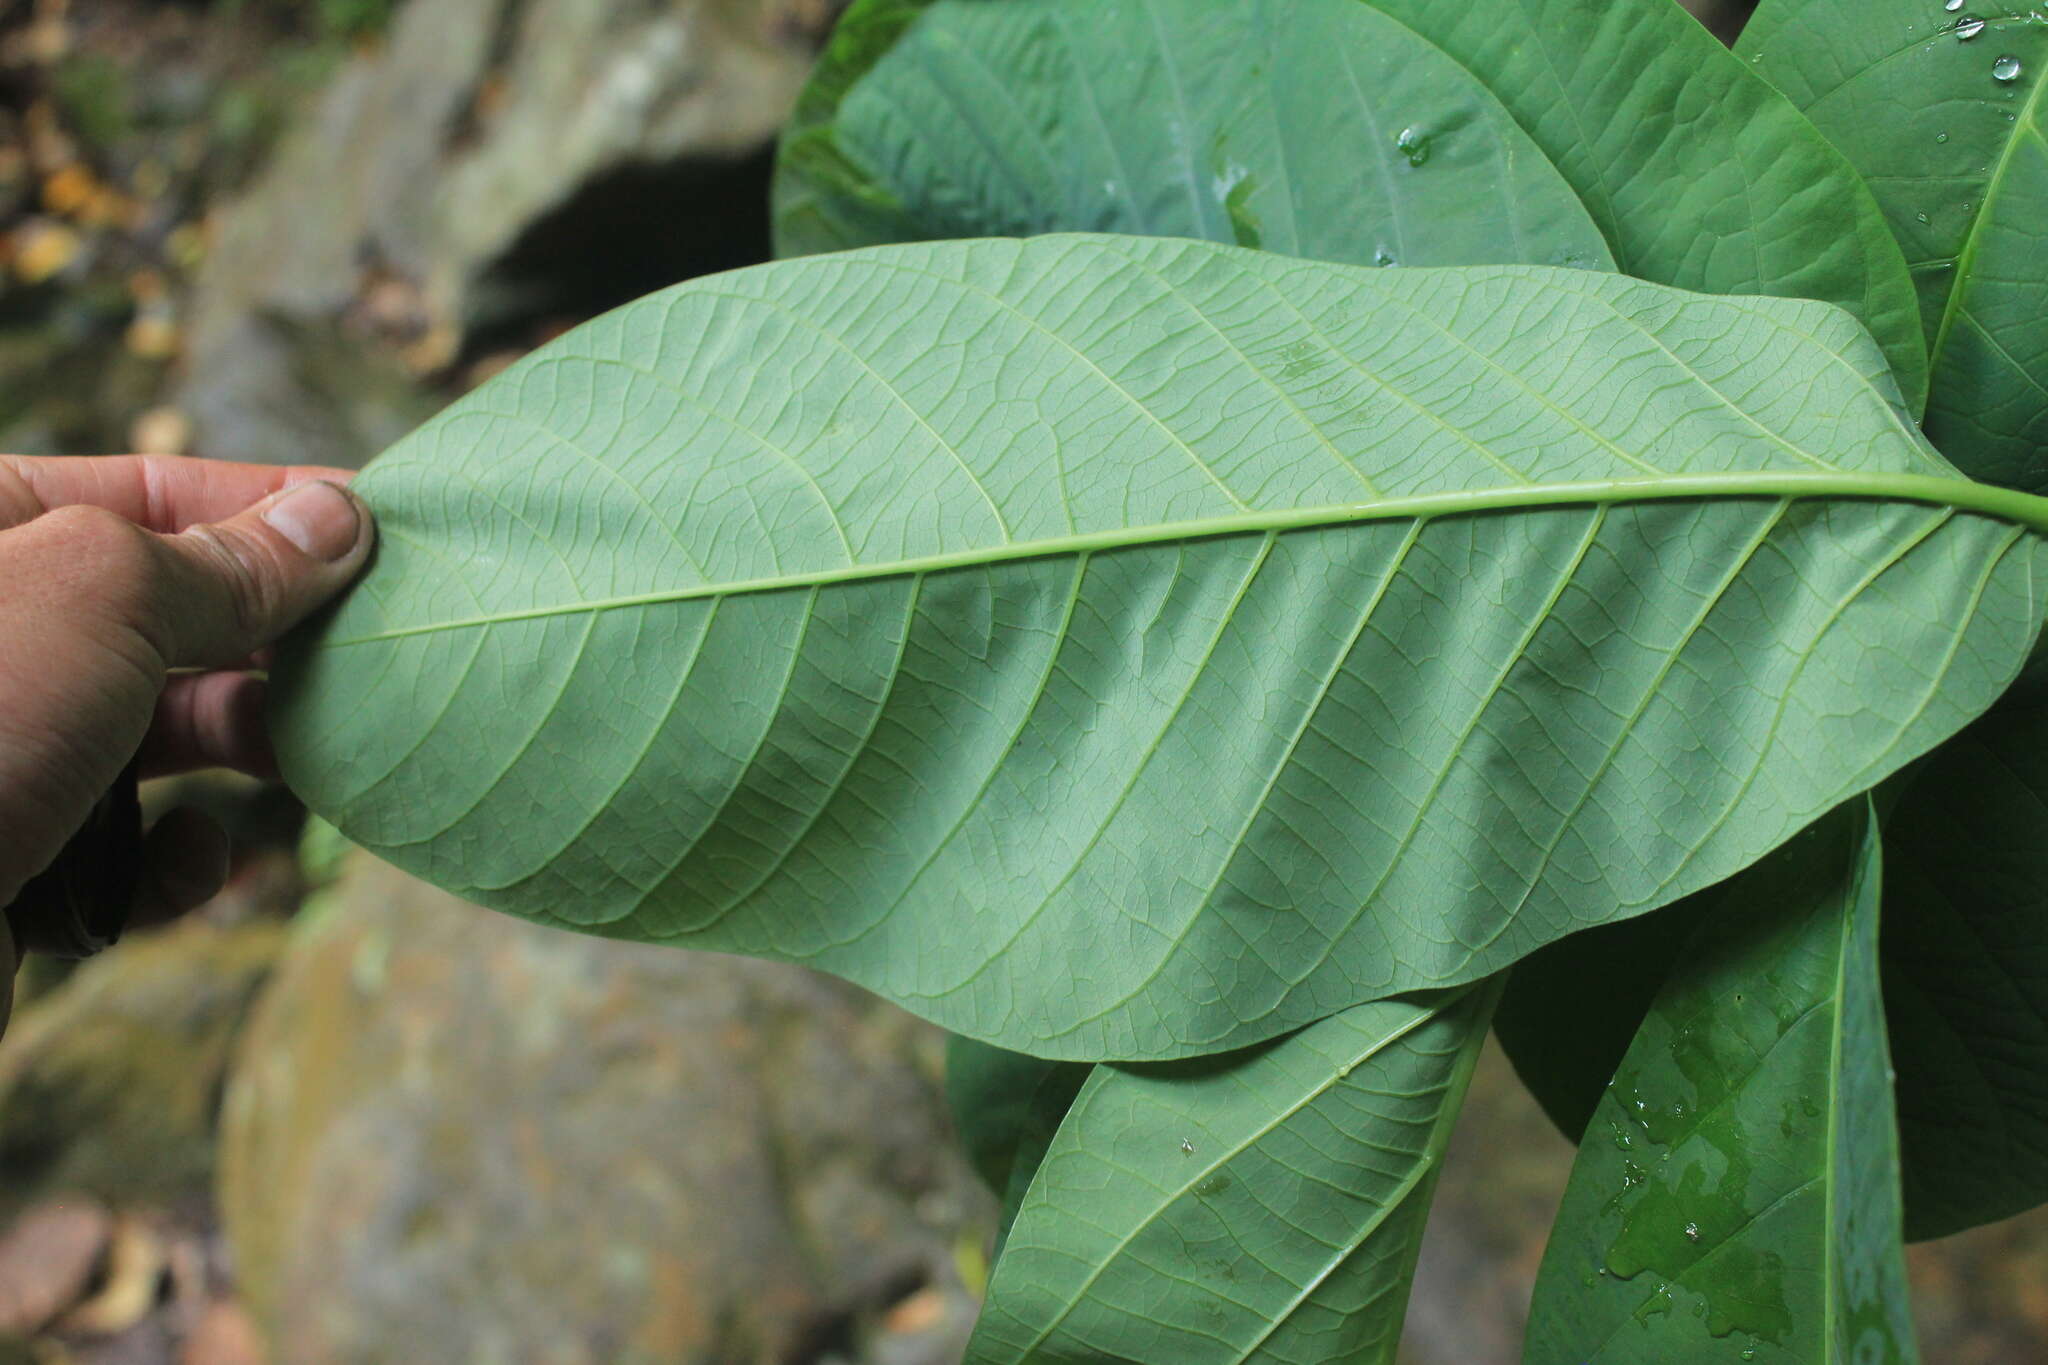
1007	1106
1260	1207
1356	130
1966	968
1737	1193
1322	129
1943	111
1119	648
1965	976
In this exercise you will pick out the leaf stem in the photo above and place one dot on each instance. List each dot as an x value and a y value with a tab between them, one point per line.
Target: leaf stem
2023	509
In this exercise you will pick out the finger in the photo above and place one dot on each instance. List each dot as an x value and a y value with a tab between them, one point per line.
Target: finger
229	588
162	493
209	720
185	860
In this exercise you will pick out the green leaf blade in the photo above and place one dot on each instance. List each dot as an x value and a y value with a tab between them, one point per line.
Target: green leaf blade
1737	1190
1966	979
1198	584
1463	119
1323	130
1958	162
1267	1207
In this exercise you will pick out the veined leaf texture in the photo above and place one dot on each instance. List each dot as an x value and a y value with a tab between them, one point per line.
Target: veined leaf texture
1410	132
1117	649
1942	110
1737	1193
1266	1206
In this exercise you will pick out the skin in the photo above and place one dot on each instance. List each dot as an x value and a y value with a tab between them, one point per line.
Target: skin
140	595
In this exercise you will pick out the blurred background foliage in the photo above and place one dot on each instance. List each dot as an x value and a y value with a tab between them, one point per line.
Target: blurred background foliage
336	1116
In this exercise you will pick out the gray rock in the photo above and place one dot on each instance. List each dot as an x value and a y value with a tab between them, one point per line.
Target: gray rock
454	1136
494	164
110	1082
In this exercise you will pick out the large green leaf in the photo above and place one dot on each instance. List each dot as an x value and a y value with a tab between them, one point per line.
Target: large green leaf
1965	976
1737	1193
1124	648
1358	130
1966	968
1273	123
1260	1207
1943	111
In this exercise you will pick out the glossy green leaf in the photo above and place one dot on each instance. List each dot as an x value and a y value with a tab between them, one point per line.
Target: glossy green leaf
1253	1207
1943	111
1737	1193
1966	968
1567	1041
1128	648
1359	130
1293	126
1006	1107
1965	976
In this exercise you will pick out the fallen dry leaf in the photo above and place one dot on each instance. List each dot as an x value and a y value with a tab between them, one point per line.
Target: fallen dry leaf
135	1271
47	1259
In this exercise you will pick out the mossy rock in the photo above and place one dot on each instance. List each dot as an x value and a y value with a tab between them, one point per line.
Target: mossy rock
110	1081
454	1136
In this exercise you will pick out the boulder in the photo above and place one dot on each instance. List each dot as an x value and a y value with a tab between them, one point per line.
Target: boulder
455	1136
110	1082
494	169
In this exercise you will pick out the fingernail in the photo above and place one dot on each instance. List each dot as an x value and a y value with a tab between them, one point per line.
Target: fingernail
318	518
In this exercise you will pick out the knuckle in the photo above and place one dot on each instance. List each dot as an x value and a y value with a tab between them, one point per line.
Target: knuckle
243	570
99	559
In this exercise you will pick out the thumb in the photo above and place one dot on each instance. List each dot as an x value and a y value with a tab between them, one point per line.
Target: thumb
242	583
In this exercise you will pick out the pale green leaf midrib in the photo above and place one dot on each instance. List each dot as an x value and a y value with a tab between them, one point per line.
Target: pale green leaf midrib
2024	509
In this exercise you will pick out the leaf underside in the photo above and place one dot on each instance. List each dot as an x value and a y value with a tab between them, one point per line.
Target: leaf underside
1958	158
1115	648
1262	1207
1737	1191
1369	131
1965	976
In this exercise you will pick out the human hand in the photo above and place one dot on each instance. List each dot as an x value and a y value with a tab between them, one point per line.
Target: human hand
138	593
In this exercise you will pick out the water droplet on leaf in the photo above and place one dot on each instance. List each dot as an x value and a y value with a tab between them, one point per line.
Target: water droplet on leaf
1953	5
2006	69
1967	29
1414	144
1186	1148
1382	256
1941	137
1692	1232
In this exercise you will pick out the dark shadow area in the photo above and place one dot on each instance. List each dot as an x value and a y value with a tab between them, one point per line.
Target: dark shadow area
633	231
